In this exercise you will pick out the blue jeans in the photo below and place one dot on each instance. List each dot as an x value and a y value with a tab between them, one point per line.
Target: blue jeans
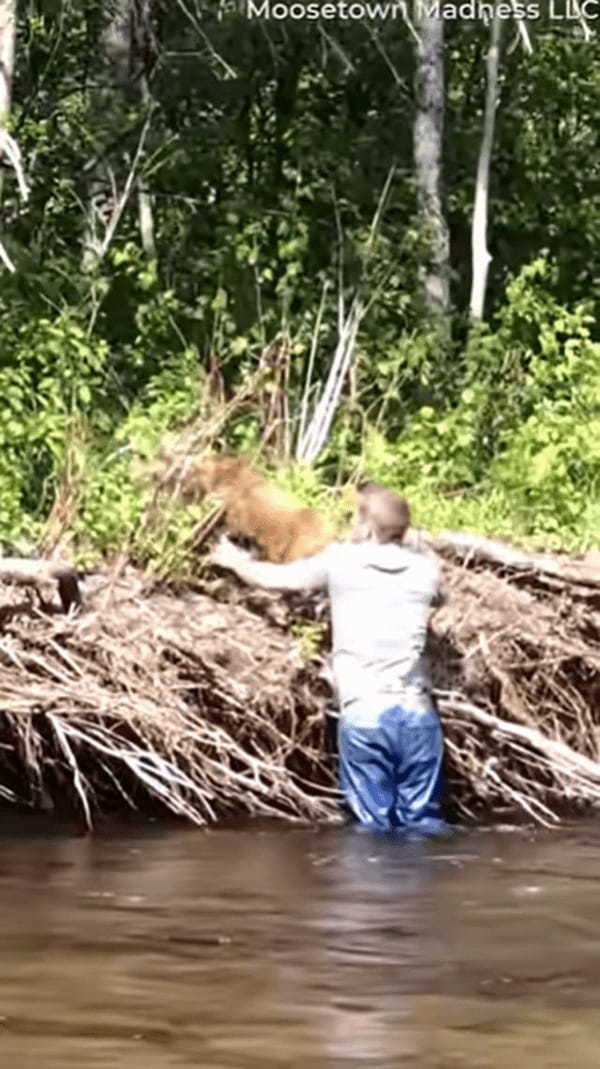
391	768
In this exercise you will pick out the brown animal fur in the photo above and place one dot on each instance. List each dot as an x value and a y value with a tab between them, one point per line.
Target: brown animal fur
256	508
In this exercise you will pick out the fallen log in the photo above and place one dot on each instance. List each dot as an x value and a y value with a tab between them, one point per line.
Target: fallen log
477	549
39	574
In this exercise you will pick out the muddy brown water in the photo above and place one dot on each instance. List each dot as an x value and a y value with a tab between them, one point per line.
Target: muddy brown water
268	946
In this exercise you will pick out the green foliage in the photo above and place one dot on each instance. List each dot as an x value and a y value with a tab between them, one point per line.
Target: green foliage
113	498
267	148
309	635
519	450
50	371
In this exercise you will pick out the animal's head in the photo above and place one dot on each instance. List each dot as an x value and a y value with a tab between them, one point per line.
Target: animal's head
214	473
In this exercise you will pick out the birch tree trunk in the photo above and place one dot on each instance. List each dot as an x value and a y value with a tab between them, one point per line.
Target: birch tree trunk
428	138
8	15
146	216
480	254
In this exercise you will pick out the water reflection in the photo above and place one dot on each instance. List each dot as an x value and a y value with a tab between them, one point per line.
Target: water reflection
268	946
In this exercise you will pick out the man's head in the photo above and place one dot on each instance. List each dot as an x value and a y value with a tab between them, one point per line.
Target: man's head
381	515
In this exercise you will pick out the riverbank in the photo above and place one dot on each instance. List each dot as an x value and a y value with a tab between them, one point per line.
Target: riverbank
210	702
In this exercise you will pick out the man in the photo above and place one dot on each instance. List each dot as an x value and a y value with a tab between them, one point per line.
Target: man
381	593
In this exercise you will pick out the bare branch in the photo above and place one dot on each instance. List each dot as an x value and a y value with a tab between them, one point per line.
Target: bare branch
337	48
71	761
318	429
311	363
197	25
315	437
522	30
587	33
6	260
119	207
11	150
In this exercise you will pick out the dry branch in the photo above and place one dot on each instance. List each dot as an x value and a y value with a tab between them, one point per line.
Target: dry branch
150	699
205	707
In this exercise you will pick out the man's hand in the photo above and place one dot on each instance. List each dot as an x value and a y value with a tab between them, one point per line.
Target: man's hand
307	574
227	555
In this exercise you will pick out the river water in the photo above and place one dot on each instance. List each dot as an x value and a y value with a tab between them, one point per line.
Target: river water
268	946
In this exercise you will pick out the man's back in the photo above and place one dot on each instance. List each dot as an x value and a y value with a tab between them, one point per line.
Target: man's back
381	596
381	592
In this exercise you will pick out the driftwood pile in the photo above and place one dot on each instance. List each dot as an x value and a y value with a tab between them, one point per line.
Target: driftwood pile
517	674
143	697
204	705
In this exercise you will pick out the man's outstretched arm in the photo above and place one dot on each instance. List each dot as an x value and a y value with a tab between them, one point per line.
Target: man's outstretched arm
307	574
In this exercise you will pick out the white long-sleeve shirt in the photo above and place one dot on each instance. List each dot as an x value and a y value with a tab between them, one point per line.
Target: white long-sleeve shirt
381	596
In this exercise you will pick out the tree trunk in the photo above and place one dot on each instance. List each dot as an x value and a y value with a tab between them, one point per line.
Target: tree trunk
115	46
146	216
125	79
7	63
480	253
428	137
141	39
7	56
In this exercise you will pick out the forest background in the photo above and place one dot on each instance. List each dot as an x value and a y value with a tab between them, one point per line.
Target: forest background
201	213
